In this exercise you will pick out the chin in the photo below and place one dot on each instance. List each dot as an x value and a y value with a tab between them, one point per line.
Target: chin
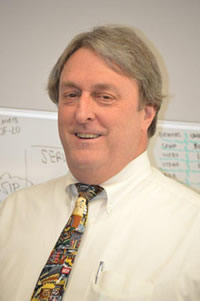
80	163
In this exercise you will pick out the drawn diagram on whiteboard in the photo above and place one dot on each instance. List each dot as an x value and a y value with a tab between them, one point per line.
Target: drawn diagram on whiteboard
31	151
9	184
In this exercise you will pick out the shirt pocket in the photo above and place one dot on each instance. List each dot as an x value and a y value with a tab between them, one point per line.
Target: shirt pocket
113	286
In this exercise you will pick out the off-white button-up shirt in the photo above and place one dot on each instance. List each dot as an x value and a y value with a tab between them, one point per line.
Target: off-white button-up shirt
144	228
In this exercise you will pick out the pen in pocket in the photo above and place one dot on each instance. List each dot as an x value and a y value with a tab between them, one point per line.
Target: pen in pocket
100	268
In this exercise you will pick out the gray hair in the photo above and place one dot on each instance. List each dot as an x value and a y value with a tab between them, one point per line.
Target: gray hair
123	50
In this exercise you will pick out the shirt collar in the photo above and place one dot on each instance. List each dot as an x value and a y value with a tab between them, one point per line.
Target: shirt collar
128	178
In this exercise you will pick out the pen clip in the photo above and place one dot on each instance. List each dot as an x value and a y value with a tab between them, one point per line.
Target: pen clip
100	268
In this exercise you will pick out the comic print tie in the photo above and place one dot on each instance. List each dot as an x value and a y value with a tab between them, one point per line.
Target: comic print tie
53	279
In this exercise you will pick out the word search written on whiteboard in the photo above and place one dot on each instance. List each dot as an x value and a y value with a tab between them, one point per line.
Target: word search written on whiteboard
31	151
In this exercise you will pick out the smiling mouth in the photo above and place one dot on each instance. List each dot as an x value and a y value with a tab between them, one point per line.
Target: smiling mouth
87	136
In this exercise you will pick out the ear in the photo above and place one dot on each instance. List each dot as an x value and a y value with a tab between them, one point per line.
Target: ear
149	114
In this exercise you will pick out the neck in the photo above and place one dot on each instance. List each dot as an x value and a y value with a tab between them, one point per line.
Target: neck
89	176
96	176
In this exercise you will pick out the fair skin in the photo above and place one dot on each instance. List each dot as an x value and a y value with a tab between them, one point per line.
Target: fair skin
100	126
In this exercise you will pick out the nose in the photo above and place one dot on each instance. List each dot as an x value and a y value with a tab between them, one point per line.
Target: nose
85	109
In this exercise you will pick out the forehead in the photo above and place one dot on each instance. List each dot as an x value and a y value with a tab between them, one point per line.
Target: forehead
87	65
85	56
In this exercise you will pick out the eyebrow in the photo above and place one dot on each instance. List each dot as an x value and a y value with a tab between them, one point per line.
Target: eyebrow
98	86
106	86
69	84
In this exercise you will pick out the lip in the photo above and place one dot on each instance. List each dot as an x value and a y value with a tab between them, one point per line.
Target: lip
87	136
87	140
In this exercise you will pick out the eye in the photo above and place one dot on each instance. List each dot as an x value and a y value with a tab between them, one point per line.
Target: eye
104	98
70	96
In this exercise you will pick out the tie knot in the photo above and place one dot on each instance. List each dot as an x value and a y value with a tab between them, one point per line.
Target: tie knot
88	191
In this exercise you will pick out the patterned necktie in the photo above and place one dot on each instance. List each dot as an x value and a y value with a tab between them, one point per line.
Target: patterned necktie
53	279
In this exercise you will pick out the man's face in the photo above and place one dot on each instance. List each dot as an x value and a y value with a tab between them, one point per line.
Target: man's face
100	126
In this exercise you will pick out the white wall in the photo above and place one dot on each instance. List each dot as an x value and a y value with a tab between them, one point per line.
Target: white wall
34	33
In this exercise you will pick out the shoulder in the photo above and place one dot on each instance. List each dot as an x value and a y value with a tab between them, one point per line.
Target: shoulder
37	192
171	188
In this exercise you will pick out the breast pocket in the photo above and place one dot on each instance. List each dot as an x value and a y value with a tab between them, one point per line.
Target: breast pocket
116	287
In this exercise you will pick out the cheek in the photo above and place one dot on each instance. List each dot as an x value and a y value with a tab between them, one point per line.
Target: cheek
63	116
132	126
63	124
60	116
60	124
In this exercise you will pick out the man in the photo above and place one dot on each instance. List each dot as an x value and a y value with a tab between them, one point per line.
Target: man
141	239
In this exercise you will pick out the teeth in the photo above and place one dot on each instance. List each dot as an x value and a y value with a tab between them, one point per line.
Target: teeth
87	136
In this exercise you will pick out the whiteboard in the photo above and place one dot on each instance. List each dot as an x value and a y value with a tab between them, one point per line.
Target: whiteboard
31	151
175	150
